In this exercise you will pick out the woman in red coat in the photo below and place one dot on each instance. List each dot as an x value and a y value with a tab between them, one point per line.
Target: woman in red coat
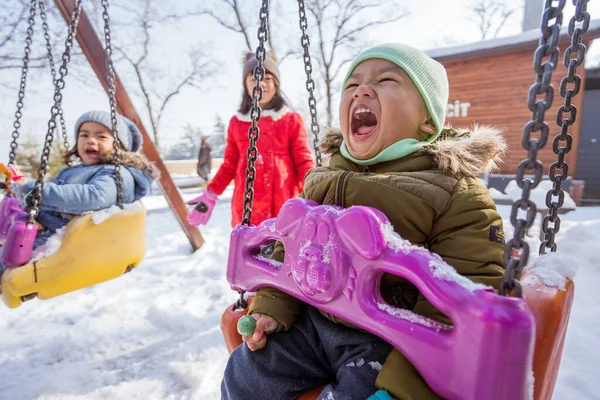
284	155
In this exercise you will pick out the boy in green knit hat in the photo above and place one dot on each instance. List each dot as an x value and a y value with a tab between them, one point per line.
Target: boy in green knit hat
392	154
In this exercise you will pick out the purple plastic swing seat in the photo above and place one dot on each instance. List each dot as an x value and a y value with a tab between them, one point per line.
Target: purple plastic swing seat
334	260
17	236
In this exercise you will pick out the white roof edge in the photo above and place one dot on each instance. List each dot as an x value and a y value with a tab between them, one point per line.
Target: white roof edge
525	37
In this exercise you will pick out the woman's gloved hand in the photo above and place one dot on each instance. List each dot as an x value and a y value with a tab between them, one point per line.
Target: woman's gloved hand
205	203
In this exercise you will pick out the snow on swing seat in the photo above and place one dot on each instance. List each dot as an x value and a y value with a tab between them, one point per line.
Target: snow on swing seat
94	248
334	261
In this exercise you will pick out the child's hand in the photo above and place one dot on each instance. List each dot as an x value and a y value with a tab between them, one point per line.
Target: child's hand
265	325
205	204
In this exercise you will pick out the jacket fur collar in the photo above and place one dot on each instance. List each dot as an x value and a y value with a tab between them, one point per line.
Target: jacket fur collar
460	152
135	160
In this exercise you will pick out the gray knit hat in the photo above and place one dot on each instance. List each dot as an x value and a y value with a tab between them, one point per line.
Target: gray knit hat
129	135
250	62
428	75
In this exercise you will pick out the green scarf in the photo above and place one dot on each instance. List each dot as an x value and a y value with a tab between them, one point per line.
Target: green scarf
395	151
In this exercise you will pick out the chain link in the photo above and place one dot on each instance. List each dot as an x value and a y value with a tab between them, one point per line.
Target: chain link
59	86
544	63
310	84
254	130
63	127
255	112
18	114
112	97
565	117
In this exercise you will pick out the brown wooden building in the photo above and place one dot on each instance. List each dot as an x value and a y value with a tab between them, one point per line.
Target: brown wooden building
489	85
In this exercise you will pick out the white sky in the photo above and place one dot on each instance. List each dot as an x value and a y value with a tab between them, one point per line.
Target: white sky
431	24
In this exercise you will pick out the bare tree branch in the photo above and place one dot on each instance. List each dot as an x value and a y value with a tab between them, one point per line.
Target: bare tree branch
238	26
147	73
14	16
201	69
491	16
12	26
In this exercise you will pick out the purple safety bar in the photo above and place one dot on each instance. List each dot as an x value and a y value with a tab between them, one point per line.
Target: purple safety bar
17	236
334	261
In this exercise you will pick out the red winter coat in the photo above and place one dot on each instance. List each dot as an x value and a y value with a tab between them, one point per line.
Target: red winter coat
284	158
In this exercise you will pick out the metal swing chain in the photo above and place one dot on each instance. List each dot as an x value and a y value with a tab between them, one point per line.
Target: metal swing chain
63	127
255	112
517	250
565	117
254	131
110	76
310	84
18	114
60	84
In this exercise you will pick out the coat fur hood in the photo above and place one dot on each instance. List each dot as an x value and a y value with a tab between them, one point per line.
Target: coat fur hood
459	151
135	160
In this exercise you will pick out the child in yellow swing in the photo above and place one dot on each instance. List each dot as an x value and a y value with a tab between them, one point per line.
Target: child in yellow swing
89	184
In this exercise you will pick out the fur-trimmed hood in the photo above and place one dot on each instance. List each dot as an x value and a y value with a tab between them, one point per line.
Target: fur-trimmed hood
459	151
135	160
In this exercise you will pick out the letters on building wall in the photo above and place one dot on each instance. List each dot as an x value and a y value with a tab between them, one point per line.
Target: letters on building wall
457	110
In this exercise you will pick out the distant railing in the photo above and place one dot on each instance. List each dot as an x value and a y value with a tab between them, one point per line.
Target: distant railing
186	167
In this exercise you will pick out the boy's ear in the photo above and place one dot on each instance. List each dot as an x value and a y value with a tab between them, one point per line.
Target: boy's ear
428	126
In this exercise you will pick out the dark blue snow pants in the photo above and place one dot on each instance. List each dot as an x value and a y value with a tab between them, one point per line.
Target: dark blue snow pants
314	352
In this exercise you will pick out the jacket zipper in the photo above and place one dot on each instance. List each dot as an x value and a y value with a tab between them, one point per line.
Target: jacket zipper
340	189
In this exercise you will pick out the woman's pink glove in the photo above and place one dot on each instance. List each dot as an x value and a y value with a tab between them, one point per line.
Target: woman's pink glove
204	208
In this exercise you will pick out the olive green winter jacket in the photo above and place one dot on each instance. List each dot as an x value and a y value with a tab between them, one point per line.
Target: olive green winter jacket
433	199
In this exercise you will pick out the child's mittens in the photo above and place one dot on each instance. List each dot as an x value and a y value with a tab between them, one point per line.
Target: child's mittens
205	204
380	395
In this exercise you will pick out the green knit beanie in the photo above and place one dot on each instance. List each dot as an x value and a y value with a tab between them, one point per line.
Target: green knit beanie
428	75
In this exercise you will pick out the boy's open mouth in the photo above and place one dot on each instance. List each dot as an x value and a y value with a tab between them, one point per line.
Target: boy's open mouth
364	122
91	152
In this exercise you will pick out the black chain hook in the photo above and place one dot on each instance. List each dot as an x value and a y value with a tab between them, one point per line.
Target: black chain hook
254	131
60	85
565	117
50	56
310	84
517	249
18	114
255	112
112	98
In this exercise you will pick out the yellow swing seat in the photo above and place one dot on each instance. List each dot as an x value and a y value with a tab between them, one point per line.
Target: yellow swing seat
90	253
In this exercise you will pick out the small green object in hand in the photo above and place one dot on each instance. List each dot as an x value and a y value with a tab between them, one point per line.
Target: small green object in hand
246	325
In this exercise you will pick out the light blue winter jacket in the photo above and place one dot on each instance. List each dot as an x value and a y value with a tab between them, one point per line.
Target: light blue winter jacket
81	189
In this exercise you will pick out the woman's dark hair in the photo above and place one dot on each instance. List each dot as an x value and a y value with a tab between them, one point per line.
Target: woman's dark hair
276	103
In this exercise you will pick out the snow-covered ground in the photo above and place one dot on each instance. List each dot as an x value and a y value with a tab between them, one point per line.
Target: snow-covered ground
154	333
